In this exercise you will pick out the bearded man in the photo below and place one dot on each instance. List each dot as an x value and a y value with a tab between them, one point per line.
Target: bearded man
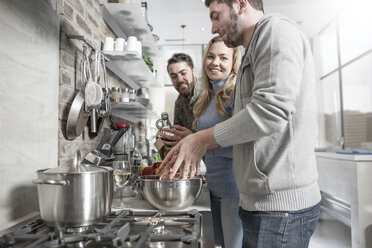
182	74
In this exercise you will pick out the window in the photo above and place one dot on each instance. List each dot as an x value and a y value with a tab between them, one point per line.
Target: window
346	81
355	32
332	111
357	83
328	49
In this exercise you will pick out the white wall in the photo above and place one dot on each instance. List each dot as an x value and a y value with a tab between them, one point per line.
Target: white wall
29	59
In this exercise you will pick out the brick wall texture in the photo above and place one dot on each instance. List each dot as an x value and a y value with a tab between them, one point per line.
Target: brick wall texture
80	17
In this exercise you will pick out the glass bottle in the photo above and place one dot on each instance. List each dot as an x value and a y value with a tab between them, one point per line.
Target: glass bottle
125	97
132	95
160	124
115	95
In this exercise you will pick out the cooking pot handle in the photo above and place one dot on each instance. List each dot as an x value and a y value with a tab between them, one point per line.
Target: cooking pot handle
51	182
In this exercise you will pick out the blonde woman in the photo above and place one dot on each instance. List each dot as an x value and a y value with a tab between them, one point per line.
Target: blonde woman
215	104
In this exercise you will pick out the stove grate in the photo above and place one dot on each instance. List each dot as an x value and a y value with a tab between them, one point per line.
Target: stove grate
119	229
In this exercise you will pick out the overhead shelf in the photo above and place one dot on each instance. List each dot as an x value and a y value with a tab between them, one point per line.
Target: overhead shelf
132	111
126	19
132	64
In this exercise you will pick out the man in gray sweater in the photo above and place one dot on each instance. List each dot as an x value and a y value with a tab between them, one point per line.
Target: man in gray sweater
272	129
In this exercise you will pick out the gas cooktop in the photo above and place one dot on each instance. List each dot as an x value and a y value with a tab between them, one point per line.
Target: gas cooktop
123	228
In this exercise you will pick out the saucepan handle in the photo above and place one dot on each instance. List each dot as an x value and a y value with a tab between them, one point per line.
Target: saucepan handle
51	182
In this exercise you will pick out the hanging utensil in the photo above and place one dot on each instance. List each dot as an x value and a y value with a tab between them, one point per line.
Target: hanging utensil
90	87
93	121
105	109
77	117
99	93
93	92
96	118
93	116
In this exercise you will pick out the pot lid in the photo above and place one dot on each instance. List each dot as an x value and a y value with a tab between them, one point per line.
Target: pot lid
77	167
82	168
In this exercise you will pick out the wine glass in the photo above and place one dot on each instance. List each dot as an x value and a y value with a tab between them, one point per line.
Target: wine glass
122	174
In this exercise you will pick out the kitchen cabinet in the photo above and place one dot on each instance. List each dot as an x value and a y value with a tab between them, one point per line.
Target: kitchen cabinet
345	183
126	19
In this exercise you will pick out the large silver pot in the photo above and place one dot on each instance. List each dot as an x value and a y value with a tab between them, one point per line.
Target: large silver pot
170	194
75	196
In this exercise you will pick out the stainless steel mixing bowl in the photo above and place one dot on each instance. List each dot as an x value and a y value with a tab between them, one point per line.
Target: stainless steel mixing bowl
171	194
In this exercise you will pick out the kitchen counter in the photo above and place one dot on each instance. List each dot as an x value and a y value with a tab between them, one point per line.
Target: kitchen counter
345	183
138	203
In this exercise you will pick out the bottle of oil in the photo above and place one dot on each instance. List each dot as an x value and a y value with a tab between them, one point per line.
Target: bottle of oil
160	124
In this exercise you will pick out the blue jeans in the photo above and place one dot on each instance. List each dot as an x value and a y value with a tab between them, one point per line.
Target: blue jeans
279	229
227	226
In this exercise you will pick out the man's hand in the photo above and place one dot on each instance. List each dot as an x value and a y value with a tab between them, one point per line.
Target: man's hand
186	155
179	132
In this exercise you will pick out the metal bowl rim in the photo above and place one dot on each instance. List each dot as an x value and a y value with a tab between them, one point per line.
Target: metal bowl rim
156	179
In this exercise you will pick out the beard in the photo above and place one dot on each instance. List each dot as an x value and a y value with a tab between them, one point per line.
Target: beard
185	93
232	38
188	93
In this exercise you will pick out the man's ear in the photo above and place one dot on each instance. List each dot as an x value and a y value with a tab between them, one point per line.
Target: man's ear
242	5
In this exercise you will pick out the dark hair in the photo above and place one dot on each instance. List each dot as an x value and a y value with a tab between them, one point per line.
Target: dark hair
256	4
180	57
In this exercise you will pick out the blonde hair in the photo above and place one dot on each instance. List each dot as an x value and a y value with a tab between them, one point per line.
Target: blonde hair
223	94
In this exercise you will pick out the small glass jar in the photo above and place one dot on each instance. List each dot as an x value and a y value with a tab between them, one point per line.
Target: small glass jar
132	95
125	95
115	95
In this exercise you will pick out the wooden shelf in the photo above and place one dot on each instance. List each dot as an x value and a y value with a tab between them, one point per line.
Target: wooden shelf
132	111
